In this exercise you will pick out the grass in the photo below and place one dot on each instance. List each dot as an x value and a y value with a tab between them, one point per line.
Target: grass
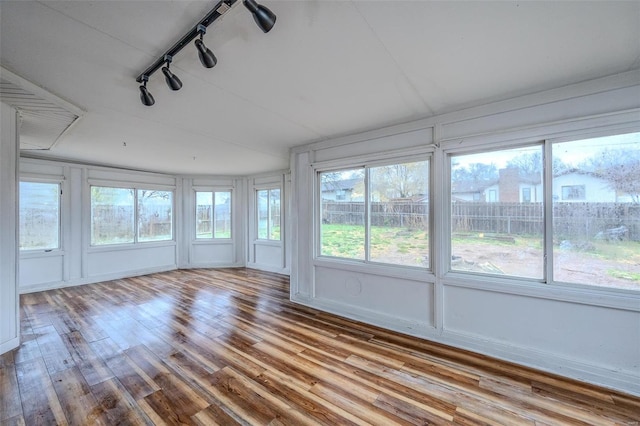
625	275
411	247
386	242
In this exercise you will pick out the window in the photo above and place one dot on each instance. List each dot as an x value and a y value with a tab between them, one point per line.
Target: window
39	216
386	220
526	195
573	192
114	213
155	211
504	236
268	202
213	214
596	211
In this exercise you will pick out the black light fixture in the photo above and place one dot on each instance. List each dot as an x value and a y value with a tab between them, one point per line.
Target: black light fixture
263	17
207	58
173	81
145	96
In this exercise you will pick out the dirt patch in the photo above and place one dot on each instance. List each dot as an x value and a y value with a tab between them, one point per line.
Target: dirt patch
573	267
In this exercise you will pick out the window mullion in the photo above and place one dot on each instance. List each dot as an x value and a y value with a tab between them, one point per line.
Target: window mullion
136	216
548	212
367	215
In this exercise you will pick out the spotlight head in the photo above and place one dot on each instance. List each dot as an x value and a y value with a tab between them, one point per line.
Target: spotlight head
172	80
145	96
207	58
265	18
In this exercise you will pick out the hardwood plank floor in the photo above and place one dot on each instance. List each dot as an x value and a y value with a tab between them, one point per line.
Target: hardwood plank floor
226	347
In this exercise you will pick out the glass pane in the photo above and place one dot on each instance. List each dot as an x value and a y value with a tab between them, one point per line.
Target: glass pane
155	215
39	216
112	215
497	212
274	214
342	228
596	211
399	214
204	214
263	213
223	214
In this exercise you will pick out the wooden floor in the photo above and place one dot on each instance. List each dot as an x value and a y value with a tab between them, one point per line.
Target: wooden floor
227	347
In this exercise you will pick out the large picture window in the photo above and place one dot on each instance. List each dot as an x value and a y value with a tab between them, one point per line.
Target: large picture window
498	212
114	212
268	211
213	214
376	214
39	216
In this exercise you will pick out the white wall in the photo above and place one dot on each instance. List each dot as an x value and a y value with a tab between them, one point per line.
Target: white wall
586	333
77	261
9	313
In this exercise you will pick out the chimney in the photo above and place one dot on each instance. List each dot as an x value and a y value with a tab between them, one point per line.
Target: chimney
509	185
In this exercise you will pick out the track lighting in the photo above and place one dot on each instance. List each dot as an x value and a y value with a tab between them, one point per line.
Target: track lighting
145	96
207	58
173	81
262	15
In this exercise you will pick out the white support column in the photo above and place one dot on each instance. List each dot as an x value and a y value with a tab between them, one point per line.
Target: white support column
9	299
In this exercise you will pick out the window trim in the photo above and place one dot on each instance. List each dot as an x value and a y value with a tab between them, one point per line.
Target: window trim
135	188
213	191
578	292
53	181
267	188
372	162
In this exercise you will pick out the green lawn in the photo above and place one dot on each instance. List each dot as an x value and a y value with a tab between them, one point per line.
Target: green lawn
388	244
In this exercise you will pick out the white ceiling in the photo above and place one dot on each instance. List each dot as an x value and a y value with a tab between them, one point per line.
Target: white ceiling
328	68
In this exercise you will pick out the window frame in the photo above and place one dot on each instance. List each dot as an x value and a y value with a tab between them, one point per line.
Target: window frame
135	188
213	191
269	189
367	164
53	181
571	291
489	147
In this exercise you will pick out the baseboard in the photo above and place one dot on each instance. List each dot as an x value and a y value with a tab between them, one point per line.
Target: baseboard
545	361
617	380
357	313
95	279
269	268
9	345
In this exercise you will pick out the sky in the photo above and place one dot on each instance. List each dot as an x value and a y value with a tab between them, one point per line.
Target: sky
572	153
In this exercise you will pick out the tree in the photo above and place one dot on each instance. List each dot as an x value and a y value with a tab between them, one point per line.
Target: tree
620	168
528	164
399	180
475	172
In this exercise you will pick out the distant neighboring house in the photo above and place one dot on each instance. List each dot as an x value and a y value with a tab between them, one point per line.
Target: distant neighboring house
580	186
470	190
341	190
569	186
511	187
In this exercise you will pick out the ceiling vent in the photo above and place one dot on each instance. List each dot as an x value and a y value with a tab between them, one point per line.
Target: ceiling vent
44	117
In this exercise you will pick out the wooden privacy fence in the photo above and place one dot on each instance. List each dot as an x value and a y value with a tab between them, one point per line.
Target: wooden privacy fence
571	220
395	214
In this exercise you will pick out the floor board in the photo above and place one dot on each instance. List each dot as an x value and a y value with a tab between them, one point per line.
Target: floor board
227	347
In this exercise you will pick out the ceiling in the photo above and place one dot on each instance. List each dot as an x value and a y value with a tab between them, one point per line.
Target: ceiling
327	69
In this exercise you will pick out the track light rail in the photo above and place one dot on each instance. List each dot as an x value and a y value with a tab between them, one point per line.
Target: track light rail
218	10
